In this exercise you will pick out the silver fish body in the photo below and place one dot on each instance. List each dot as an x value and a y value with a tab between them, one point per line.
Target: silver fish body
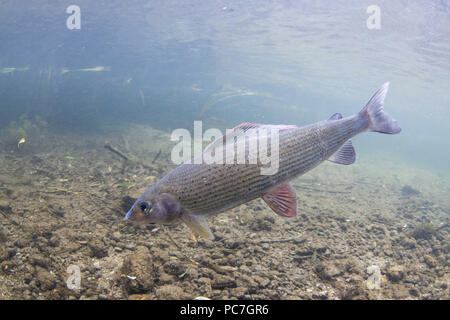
192	191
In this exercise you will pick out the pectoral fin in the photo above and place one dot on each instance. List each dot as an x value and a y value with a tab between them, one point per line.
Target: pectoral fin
282	200
198	224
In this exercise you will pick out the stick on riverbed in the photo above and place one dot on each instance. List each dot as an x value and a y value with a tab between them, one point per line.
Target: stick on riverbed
129	158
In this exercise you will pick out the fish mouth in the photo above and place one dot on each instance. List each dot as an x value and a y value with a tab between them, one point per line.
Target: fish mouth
137	219
128	215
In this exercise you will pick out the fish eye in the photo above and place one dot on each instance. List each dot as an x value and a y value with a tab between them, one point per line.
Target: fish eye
145	206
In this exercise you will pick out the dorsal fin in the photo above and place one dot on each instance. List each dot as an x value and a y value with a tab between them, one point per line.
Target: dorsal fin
244	127
345	155
248	125
336	116
282	200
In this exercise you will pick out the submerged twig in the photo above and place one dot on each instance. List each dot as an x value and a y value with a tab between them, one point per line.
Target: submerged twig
113	149
9	219
130	158
280	240
157	156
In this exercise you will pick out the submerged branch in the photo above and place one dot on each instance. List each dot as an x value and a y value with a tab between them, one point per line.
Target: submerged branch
157	156
113	149
9	218
282	240
130	158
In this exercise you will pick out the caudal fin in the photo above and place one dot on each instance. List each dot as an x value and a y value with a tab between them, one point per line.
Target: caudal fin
379	121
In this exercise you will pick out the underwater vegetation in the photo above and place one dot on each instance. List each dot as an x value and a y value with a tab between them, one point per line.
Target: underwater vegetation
424	231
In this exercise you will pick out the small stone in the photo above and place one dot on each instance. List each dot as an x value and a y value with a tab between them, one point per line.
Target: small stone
430	261
138	271
165	278
174	267
395	273
130	246
138	297
263	281
442	285
53	241
97	249
4	203
318	247
3	237
408	243
328	271
222	282
320	295
4	254
21	243
171	292
116	236
401	292
414	292
40	260
44	279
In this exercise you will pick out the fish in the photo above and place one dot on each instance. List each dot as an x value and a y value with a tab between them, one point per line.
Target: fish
93	69
192	192
23	140
12	69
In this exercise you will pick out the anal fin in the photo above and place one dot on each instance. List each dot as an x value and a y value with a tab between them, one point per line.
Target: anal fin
282	200
345	155
198	224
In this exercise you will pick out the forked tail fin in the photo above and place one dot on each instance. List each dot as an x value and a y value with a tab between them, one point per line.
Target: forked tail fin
379	121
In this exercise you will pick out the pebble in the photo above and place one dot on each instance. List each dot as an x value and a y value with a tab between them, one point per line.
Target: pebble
221	282
4	254
3	237
328	271
430	261
40	260
130	246
44	279
408	243
139	266
171	292
395	273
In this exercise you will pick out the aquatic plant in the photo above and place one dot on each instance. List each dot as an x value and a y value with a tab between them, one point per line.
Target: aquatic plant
424	231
